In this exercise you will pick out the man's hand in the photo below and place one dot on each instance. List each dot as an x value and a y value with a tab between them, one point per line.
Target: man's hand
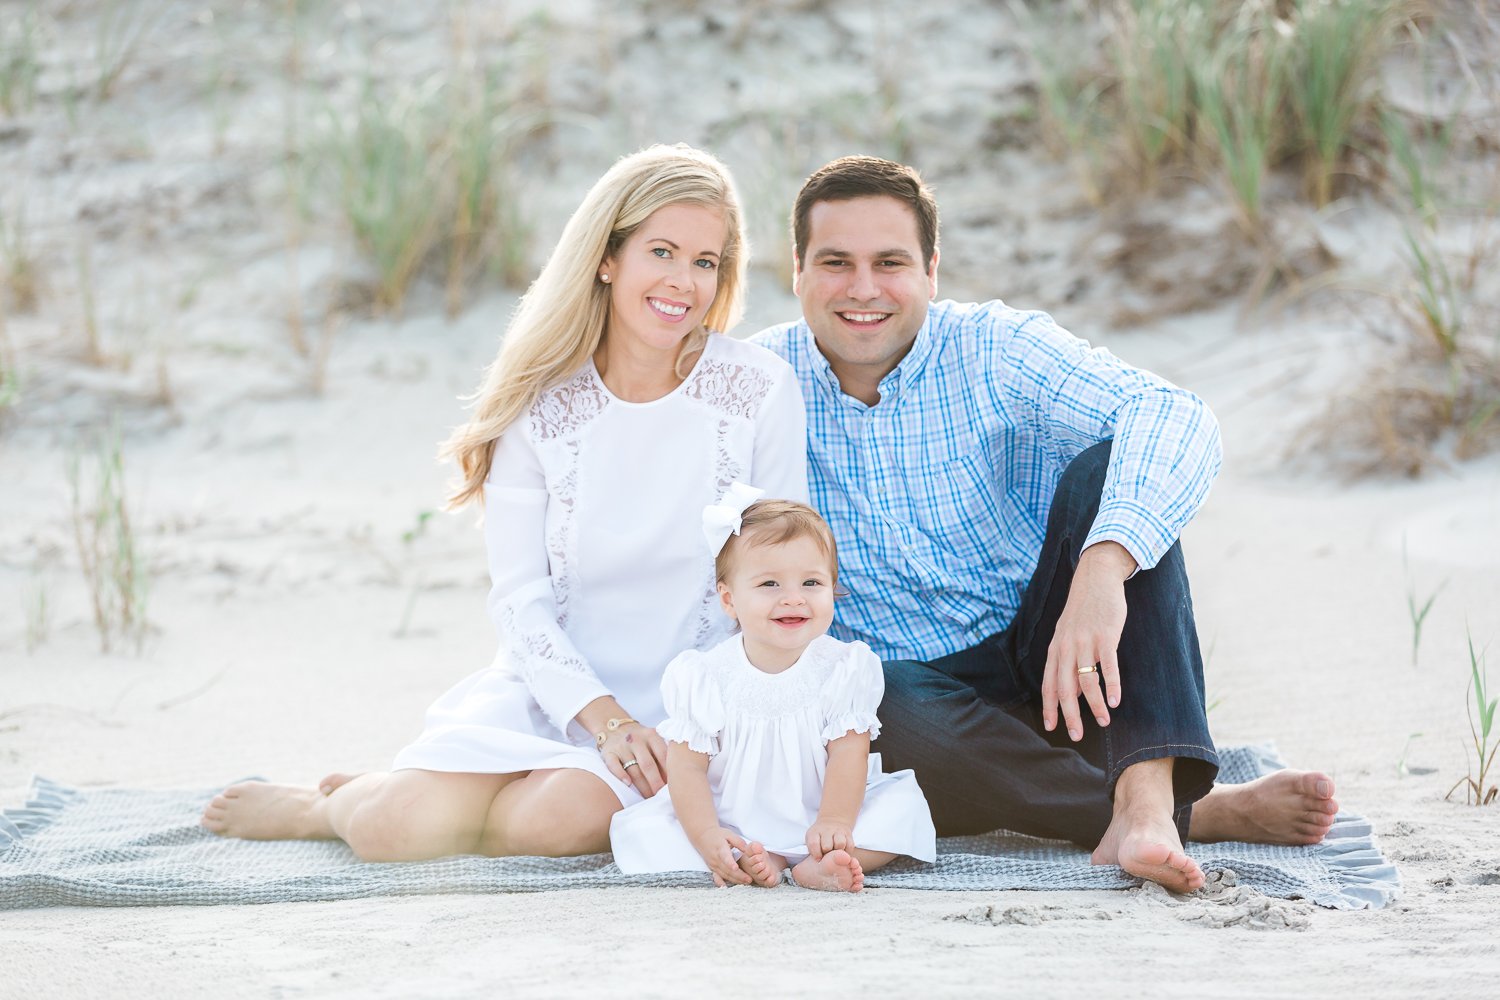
1088	633
828	835
717	846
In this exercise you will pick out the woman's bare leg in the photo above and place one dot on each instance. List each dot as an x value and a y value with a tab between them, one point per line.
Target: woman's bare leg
555	813
415	815
409	815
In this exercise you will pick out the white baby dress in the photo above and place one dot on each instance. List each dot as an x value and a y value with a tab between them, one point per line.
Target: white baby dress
767	737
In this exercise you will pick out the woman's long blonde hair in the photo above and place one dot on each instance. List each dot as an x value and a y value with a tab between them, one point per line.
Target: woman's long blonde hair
560	321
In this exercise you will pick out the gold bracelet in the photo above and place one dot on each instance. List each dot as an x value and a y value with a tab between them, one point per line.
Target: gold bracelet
610	727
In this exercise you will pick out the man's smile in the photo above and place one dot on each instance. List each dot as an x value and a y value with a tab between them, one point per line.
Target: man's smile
863	319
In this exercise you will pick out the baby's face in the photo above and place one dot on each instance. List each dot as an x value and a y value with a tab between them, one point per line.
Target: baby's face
782	596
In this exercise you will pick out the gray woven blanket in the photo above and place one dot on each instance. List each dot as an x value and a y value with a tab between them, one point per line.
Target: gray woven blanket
133	847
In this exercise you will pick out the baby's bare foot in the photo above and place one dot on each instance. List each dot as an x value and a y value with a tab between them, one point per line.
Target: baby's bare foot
839	871
763	867
255	810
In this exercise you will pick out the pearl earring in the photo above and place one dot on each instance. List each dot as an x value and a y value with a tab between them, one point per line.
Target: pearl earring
604	278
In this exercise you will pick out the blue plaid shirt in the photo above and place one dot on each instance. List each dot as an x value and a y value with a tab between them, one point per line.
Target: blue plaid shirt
938	495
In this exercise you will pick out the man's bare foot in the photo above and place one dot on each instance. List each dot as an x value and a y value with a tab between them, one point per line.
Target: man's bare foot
255	810
1148	847
839	871
763	867
1283	807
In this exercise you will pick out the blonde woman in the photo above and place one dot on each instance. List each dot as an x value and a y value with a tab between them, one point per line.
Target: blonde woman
609	419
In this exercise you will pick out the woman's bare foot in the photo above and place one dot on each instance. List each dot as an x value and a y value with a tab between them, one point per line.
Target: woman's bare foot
335	781
1148	847
839	871
255	810
1283	807
763	867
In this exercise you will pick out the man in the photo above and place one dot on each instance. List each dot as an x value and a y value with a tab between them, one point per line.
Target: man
1007	504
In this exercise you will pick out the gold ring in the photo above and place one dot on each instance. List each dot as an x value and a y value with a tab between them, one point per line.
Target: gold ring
1092	668
630	763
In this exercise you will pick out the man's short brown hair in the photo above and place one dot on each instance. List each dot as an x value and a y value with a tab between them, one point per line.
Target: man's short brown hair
867	177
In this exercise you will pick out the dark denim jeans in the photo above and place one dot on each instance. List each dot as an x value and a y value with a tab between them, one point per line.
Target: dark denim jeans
970	724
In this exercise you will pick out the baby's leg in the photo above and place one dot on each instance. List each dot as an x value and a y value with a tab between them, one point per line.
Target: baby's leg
763	867
839	871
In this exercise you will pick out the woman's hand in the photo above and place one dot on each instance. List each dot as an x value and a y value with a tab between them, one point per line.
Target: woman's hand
717	845
828	835
636	755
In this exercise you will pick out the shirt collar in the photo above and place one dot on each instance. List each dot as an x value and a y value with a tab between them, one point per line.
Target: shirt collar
890	386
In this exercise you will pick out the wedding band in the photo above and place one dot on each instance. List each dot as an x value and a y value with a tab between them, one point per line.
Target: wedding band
631	763
1090	669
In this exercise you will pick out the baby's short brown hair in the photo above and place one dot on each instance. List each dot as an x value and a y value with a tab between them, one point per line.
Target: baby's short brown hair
775	522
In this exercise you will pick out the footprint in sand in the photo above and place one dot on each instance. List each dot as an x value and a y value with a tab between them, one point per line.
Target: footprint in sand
1223	902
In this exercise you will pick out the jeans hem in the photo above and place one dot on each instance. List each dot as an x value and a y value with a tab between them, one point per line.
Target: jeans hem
1184	795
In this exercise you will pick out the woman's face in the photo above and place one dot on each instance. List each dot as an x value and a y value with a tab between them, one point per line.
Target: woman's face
664	278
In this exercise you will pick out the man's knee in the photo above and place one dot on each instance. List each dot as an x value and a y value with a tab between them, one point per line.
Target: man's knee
1084	476
1081	486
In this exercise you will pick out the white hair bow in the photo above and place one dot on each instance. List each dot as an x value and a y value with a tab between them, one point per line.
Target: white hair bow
722	519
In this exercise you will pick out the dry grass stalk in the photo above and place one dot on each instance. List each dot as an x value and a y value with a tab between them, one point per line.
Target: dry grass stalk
109	555
10	374
1412	414
22	284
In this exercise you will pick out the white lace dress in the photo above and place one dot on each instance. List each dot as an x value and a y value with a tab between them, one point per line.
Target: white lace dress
767	735
600	574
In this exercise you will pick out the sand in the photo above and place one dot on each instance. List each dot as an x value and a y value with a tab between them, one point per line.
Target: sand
294	631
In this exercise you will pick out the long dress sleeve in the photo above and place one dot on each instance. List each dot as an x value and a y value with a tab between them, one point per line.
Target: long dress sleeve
695	711
521	602
853	693
780	459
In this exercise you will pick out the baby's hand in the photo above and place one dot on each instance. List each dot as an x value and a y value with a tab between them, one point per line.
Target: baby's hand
715	846
828	835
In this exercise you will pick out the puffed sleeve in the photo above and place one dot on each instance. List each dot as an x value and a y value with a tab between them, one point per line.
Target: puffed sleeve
695	712
533	644
853	693
780	460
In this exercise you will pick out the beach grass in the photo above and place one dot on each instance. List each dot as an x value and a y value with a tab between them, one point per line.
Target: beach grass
1435	306
1479	788
426	175
1152	56
1418	614
122	28
18	257
1240	83
1332	80
20	62
1234	91
10	373
1414	163
109	554
37	609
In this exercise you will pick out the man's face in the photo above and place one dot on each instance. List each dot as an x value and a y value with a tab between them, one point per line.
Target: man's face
864	287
